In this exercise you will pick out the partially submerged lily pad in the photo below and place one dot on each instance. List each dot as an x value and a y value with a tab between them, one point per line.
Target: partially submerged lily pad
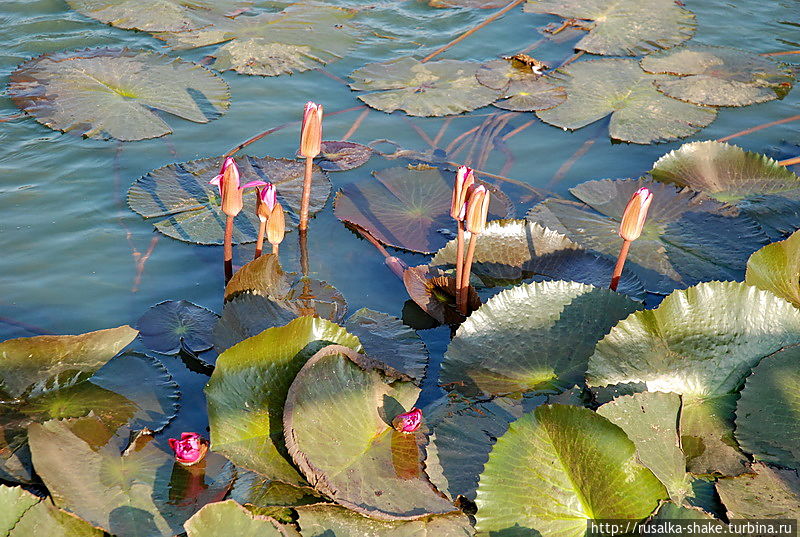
624	27
114	93
620	88
256	490
437	88
718	76
435	293
230	518
296	39
770	493
342	156
407	207
172	325
188	208
522	89
336	521
776	268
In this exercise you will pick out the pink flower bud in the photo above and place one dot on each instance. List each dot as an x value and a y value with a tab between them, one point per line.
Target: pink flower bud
311	130
635	214
190	449
408	422
464	180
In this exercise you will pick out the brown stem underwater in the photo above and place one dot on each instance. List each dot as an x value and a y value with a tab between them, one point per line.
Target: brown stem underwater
467	270
228	249
306	194
303	235
459	264
623	254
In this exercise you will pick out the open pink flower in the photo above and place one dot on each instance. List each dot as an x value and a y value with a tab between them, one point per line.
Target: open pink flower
408	422
230	188
190	449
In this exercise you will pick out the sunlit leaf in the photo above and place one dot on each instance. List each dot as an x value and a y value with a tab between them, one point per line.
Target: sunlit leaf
14	502
776	268
770	493
114	93
172	325
522	89
230	518
47	520
335	521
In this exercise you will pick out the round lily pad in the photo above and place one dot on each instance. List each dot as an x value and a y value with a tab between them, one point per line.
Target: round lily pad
687	238
757	184
230	518
718	76
438	88
338	430
624	27
407	207
333	520
172	325
770	493
296	39
619	88
776	268
558	467
114	93
523	90
342	156
188	208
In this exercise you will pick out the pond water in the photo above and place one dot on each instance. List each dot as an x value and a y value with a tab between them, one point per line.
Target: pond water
76	258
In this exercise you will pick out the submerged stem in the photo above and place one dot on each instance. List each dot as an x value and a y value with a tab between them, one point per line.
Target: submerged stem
262	230
459	264
623	254
306	194
228	249
304	252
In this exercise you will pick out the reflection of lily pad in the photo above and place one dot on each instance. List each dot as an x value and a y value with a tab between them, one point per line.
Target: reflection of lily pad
687	238
335	521
299	38
718	76
701	343
171	325
230	518
757	184
523	90
771	493
437	88
342	156
338	431
776	268
624	27
406	208
619	87
188	207
113	93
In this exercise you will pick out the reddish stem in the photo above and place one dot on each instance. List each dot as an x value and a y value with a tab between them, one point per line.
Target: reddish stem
459	264
306	194
623	254
228	249
262	230
467	270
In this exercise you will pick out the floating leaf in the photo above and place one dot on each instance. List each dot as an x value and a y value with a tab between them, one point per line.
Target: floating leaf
173	325
701	343
338	430
479	4
625	27
14	502
511	251
535	336
718	76
263	276
771	493
650	420
113	93
619	87
675	514
299	38
46	519
335	521
687	238
342	156
757	184
406	208
435	293
258	491
767	423
776	268
558	467
247	390
522	89
188	207
437	88
230	518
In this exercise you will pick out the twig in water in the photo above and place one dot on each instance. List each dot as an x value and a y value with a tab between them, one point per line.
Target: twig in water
758	128
356	124
790	161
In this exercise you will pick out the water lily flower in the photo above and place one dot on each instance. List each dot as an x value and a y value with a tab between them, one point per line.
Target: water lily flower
230	189
464	180
408	422
267	198
190	449
635	214
311	130
477	209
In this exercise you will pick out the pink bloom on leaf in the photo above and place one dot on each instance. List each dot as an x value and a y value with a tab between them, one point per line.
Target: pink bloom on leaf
408	422
190	449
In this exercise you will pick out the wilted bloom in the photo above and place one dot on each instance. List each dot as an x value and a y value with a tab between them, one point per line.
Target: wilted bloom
190	449
477	209
267	198
311	131
408	422
635	214
276	228
230	190
464	180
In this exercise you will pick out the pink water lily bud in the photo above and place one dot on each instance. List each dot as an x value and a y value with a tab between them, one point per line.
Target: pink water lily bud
464	180
311	131
408	422
230	187
267	198
190	449
635	214
477	209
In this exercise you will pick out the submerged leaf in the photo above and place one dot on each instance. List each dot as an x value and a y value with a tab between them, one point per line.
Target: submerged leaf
336	521
255	490
523	90
771	493
113	93
173	325
776	268
342	156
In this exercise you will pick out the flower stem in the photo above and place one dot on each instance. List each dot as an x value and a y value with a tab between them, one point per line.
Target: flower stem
262	230
228	249
473	240
459	264
623	254
306	195
304	252
275	249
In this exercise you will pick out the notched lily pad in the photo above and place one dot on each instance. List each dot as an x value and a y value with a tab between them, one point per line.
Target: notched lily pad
771	493
114	93
24	515
336	521
230	518
188	207
437	88
172	325
522	89
620	88
776	268
342	156
718	76
435	293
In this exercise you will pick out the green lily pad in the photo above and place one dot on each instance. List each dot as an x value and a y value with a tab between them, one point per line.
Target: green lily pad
46	519
141	493
687	238
407	207
299	38
172	325
619	88
435	294
509	252
718	76
230	518
684	520
342	156
767	424
335	521
534	337
338	418
188	207
624	27
650	420
701	343
247	390
255	490
263	276
558	467
776	268
770	493
757	184
114	93
14	502
522	89
437	88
